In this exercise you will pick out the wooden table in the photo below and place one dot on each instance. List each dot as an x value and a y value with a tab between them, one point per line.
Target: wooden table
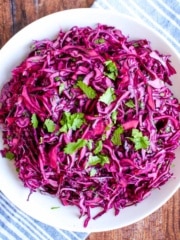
164	224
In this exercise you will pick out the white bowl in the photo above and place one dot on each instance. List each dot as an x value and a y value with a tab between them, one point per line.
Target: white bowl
39	206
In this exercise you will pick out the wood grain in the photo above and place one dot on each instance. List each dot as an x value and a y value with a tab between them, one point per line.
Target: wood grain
16	14
164	224
6	20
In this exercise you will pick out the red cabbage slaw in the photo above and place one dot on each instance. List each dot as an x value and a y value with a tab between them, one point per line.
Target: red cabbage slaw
88	117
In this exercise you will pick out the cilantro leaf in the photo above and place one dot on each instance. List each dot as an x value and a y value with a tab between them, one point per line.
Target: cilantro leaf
108	96
116	137
111	68
57	78
87	90
104	137
34	120
71	121
136	44
61	88
140	141
90	144
98	148
114	116
50	125
9	155
130	104
108	127
72	147
53	208
99	40
93	172
98	159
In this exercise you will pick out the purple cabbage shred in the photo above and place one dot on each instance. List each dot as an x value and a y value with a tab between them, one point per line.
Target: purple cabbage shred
45	85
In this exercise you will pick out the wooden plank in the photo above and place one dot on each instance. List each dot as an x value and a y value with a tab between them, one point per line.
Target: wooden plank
16	14
6	24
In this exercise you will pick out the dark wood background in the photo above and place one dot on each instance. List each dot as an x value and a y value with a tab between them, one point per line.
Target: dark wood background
164	224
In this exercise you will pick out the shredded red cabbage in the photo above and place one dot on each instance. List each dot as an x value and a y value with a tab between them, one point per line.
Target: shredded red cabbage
89	118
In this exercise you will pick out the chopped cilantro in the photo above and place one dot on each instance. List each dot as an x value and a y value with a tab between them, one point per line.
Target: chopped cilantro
9	155
98	148
90	144
140	141
34	120
136	44
99	40
111	68
71	121
98	159
72	147
108	127
50	125
116	137
61	88
108	96
87	90
93	172
103	137
114	116
52	208
73	59
130	104
57	78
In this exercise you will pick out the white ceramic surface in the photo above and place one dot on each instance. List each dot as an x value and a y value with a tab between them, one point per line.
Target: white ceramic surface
39	206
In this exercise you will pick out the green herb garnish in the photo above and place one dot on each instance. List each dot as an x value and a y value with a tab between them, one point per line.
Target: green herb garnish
90	144
98	148
98	159
136	44
130	104
53	208
108	96
114	116
57	78
9	155
50	125
99	40
34	120
71	121
61	88
72	147
104	137
116	137
111	70
140	141
93	172
87	90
